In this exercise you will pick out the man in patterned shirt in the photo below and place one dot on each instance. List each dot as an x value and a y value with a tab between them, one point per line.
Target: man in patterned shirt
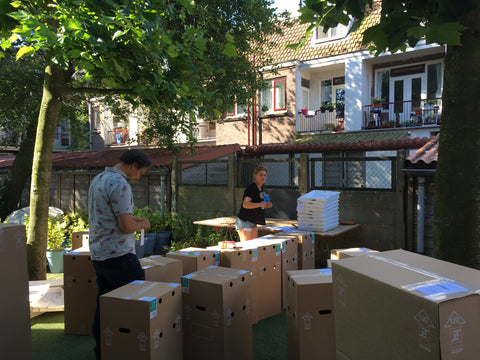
112	228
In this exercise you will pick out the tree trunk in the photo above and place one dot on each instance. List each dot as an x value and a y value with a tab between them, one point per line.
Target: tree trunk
21	170
457	180
53	91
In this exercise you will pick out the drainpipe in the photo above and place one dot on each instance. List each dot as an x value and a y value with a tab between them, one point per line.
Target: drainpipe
90	125
420	214
163	190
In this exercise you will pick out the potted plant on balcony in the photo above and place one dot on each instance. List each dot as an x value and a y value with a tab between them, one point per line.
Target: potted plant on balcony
329	106
377	102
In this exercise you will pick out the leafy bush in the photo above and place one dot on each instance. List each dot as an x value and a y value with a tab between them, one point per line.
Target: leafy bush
186	234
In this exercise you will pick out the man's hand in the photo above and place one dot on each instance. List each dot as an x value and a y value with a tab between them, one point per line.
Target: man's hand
129	223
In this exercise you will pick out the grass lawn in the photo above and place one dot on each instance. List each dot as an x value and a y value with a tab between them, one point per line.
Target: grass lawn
51	343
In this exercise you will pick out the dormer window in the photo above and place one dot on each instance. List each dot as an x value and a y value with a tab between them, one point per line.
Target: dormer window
334	33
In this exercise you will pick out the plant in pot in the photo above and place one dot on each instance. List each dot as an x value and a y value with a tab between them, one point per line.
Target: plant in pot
377	102
161	224
56	243
329	106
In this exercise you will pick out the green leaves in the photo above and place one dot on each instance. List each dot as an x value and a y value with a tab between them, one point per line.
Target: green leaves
24	50
401	25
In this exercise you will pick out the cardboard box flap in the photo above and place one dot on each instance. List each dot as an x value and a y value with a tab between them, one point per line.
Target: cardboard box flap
419	282
139	288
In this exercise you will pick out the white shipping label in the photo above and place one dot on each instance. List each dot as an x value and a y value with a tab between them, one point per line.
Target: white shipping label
439	288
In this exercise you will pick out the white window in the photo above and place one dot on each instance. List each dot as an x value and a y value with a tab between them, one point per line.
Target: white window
334	33
274	98
237	110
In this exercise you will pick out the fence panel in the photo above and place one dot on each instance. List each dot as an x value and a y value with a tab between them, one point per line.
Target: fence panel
372	173
212	172
282	173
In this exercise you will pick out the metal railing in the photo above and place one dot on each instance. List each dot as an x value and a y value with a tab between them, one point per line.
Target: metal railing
321	120
414	113
362	173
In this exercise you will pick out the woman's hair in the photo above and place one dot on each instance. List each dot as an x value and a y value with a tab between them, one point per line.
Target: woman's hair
258	169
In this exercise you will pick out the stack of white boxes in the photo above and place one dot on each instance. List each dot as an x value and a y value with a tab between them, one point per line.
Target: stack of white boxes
318	210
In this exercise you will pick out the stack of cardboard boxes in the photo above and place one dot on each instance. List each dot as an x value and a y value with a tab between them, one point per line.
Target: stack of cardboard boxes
369	305
318	210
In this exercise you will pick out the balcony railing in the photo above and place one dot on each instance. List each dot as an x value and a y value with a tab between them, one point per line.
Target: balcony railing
321	120
415	113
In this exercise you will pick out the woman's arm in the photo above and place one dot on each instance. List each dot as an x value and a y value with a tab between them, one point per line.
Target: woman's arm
248	204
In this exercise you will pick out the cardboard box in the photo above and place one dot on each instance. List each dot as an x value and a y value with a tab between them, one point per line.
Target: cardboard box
443	268
306	248
289	258
260	258
80	292
80	239
310	317
388	309
15	333
337	254
245	281
142	320
217	324
194	259
162	269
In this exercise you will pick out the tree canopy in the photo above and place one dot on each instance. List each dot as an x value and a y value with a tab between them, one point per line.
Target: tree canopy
182	58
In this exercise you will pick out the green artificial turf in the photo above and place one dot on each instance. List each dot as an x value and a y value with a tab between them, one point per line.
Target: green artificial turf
51	343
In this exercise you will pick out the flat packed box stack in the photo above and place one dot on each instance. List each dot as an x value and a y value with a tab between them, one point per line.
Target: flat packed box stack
162	269
318	210
15	333
217	322
401	305
80	292
142	320
310	318
194	259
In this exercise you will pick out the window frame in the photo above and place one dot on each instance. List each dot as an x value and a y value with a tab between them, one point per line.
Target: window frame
272	108
328	35
96	110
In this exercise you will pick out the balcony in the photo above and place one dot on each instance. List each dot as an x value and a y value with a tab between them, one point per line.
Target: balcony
416	113
322	120
119	136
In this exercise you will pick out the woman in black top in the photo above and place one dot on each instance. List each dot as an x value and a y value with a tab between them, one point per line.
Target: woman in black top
252	210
